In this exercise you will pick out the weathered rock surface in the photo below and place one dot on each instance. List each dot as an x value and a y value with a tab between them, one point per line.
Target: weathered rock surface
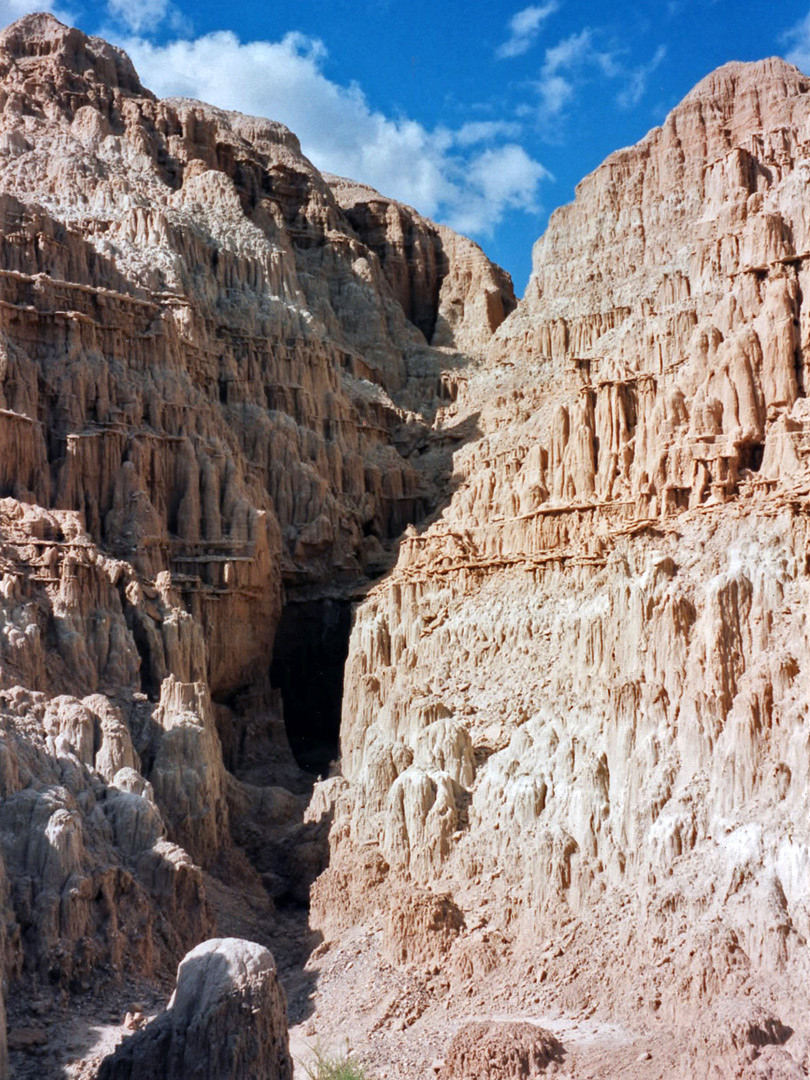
227	1020
500	1051
421	927
7	958
577	704
94	881
213	390
575	766
444	282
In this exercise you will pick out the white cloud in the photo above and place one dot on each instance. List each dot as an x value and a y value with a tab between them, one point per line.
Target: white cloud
11	10
555	93
565	65
442	173
508	175
478	131
577	60
139	15
636	85
146	16
524	28
797	40
503	178
571	52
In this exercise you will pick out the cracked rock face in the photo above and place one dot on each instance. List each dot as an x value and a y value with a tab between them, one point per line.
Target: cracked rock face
578	699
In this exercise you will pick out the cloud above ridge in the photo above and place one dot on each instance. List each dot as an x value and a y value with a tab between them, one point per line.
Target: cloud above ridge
469	177
524	27
797	41
140	15
580	59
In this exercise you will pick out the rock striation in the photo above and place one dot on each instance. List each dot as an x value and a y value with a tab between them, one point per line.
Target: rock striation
576	706
216	396
574	757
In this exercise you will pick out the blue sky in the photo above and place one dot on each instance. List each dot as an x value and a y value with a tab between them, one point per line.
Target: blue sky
483	115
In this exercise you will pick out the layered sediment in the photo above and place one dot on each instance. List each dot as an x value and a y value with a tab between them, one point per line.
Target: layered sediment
576	706
574	765
215	399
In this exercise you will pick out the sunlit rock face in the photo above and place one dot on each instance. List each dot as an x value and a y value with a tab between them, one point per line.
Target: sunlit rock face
213	389
579	703
574	732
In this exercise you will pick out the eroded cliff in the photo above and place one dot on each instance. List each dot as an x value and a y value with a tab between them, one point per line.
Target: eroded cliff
215	400
578	705
574	758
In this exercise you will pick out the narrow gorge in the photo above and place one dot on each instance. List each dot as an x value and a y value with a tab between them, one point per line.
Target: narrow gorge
451	647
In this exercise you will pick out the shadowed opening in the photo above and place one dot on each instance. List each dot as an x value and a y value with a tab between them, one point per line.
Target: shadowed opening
311	647
751	456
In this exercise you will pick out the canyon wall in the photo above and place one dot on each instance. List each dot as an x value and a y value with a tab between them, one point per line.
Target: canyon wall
216	395
574	752
578	705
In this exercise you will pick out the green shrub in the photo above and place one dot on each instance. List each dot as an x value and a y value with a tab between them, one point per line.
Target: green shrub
334	1067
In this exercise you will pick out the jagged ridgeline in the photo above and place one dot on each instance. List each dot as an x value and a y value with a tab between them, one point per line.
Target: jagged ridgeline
574	750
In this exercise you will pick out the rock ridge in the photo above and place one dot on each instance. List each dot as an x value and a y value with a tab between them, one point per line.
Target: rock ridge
212	400
574	765
575	706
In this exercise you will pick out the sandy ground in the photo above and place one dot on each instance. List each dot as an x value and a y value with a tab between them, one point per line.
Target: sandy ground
346	997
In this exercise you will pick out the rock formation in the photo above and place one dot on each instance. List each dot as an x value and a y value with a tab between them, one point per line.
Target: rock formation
227	1020
576	705
574	760
444	282
217	398
509	1051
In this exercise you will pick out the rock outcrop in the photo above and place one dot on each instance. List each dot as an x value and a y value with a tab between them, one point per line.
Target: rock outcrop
500	1051
575	764
444	282
227	1020
577	703
215	395
95	883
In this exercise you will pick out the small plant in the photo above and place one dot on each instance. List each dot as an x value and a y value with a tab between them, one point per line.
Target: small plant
334	1067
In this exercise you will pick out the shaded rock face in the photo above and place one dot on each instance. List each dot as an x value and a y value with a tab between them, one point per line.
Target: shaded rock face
96	880
7	958
578	697
209	393
308	660
227	1020
444	282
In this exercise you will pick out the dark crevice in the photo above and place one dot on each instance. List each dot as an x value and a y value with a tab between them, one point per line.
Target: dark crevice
312	644
751	455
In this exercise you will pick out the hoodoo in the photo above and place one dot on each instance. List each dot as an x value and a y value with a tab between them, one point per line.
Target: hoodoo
333	578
